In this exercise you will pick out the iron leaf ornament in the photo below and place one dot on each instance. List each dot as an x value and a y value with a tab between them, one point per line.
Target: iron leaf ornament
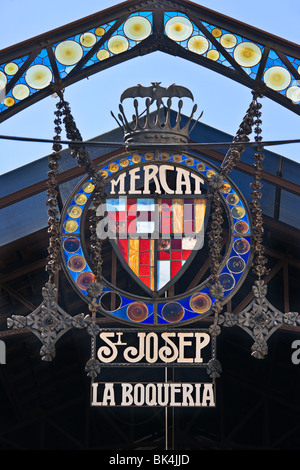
48	322
260	319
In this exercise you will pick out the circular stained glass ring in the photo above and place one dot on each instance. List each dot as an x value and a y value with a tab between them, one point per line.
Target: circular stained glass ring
20	91
278	78
227	281
77	263
228	40
102	54
247	54
200	303
87	39
74	212
117	44
232	199
38	76
241	227
179	28
238	212
3	80
198	44
84	280
71	244
137	311
293	93
68	52
236	264
80	199
137	28
172	312
11	68
212	54
241	246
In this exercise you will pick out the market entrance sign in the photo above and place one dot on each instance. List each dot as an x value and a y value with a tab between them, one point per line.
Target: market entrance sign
153	215
156	238
153	202
128	347
153	394
171	347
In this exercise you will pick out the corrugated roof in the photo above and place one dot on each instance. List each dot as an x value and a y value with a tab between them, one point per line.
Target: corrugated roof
29	215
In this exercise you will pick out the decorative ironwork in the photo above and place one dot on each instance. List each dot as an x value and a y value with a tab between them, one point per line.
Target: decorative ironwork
157	129
83	159
260	260
53	264
95	289
92	366
216	183
156	92
48	322
244	54
260	319
233	155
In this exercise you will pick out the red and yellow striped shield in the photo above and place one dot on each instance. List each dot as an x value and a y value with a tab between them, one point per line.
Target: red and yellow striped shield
156	238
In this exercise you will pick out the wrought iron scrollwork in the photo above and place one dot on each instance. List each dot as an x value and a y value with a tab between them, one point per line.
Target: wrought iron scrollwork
49	321
216	182
260	319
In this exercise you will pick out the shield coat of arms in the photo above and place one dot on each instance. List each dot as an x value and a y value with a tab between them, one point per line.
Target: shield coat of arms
160	216
156	238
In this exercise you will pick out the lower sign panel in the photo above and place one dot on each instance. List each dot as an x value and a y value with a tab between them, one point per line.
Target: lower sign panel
153	394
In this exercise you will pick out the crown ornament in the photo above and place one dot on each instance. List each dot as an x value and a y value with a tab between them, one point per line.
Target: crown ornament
152	124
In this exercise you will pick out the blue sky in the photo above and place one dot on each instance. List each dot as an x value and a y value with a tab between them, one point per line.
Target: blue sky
223	101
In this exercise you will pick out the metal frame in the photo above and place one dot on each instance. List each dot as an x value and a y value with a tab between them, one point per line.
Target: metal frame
157	41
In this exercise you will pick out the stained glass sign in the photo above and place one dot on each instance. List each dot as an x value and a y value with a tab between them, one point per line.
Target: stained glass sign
71	54
154	218
156	237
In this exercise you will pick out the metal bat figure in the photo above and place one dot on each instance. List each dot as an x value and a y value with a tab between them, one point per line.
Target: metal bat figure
156	92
